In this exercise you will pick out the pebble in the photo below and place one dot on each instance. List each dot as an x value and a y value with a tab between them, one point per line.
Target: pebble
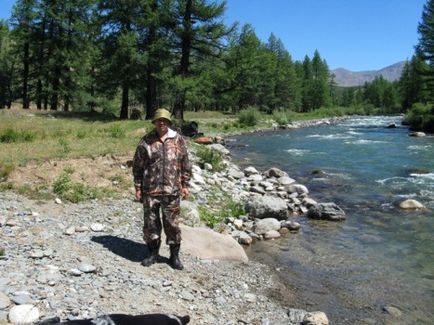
97	227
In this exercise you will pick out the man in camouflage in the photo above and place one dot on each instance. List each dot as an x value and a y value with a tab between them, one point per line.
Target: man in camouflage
161	172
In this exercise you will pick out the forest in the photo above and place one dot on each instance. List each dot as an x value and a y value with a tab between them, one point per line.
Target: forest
128	58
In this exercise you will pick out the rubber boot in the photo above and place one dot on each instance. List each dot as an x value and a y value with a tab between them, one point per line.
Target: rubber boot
154	248
174	260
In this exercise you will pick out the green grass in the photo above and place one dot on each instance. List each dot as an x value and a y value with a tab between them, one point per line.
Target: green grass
210	156
76	192
5	170
220	206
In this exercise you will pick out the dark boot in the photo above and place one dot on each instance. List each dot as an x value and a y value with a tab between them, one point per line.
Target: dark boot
174	261
154	248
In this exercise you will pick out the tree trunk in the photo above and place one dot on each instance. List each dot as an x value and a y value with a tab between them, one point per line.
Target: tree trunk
151	82
125	102
178	109
41	64
26	63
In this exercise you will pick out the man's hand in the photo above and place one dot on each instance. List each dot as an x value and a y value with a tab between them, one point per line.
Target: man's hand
138	195
184	192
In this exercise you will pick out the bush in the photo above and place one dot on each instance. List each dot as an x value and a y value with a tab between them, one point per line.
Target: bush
10	135
227	208
76	192
5	170
420	118
249	117
281	117
210	156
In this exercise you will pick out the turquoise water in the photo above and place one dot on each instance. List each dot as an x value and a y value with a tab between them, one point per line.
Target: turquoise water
380	256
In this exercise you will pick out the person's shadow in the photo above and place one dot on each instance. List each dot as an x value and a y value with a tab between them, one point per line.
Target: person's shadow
126	248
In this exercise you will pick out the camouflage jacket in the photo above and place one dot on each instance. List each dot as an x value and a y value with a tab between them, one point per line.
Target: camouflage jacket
161	168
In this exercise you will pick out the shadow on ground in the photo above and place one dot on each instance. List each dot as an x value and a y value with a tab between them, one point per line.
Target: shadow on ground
126	248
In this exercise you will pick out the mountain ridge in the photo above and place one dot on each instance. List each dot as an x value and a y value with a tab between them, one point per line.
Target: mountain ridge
348	78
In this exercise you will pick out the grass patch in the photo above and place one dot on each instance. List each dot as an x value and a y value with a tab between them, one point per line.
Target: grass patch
36	192
2	251
5	171
11	135
220	206
282	117
210	156
76	192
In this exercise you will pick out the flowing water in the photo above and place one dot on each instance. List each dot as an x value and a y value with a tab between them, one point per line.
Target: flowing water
381	255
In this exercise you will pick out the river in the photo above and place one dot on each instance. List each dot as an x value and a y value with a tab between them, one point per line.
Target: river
381	255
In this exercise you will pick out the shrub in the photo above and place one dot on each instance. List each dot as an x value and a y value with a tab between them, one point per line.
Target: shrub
281	117
76	192
249	117
5	170
421	118
210	156
11	135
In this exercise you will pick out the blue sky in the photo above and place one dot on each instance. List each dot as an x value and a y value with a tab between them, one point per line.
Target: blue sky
354	34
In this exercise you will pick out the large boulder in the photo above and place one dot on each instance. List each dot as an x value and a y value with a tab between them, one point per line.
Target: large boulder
267	206
208	244
265	225
327	211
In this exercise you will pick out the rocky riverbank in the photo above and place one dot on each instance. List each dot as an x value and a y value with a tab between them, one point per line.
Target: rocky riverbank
82	260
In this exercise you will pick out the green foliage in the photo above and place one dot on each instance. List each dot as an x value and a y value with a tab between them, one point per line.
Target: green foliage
116	131
76	192
5	171
2	251
282	117
249	117
226	208
421	118
210	156
11	135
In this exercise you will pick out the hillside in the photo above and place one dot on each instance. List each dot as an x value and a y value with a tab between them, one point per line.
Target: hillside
347	78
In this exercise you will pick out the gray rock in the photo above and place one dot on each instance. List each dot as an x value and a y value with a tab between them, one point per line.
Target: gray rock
315	318
393	311
250	171
265	225
285	180
37	253
87	268
22	298
257	189
255	178
328	211
291	225
235	173
275	172
296	316
417	134
411	204
308	202
272	234
5	302
219	148
69	231
97	227
267	207
298	188
250	297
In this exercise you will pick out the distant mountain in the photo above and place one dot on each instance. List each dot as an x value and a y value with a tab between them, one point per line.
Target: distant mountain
347	78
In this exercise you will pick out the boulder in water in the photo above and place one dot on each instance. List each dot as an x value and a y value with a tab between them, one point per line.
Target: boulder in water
328	211
411	204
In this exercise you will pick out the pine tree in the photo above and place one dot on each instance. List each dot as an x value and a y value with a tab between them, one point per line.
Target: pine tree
6	66
426	44
199	32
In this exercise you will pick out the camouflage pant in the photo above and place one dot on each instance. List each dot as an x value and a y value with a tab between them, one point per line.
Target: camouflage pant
152	226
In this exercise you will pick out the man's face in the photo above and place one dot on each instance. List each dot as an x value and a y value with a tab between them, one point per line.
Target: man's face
161	125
